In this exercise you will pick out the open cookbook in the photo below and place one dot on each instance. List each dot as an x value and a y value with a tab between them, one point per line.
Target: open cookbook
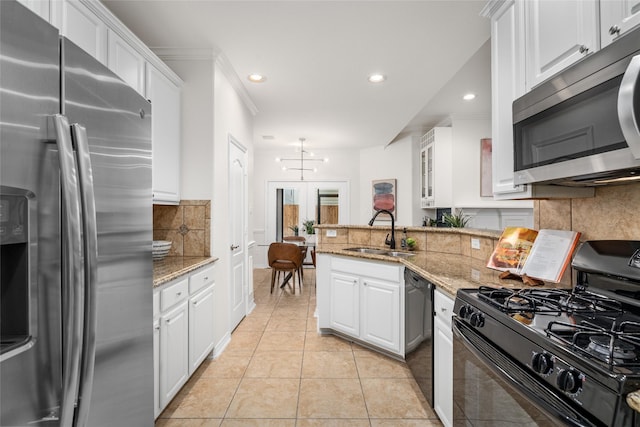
538	254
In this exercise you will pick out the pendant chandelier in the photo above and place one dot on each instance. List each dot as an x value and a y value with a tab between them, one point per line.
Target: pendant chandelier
305	156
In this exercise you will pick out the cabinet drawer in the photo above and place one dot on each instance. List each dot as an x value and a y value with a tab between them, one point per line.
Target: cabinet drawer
199	280
379	270
174	294
443	306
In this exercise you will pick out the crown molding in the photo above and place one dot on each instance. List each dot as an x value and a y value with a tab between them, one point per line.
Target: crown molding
186	53
226	68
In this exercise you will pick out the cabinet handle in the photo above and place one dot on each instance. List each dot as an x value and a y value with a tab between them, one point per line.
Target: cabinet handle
178	294
206	278
584	49
614	30
157	328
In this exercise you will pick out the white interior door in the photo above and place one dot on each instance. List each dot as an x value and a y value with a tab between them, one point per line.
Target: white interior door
238	230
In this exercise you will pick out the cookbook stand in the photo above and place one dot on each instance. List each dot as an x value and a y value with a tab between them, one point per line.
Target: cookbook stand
529	281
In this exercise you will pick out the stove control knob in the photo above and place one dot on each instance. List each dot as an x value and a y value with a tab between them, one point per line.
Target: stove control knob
465	311
477	319
542	363
569	381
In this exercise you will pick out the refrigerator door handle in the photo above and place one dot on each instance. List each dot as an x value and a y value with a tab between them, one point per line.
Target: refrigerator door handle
72	270
89	227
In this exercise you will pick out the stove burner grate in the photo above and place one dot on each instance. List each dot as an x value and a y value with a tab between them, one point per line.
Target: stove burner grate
618	346
550	301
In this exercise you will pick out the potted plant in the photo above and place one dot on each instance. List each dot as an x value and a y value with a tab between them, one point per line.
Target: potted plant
295	230
456	220
308	226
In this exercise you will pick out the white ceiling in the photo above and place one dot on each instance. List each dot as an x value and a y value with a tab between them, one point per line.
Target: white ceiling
317	55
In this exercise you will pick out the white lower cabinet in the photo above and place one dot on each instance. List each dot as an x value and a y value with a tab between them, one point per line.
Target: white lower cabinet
200	327
183	337
381	314
156	368
364	302
174	352
443	358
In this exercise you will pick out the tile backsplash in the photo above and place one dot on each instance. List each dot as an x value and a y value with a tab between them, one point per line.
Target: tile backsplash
187	225
611	214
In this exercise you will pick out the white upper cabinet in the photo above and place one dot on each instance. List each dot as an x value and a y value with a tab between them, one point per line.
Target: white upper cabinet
436	156
507	84
617	18
164	95
558	33
82	26
124	60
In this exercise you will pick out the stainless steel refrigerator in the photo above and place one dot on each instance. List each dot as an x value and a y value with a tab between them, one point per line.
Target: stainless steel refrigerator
75	235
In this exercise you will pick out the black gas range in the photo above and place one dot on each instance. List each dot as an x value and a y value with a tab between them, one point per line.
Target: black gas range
574	354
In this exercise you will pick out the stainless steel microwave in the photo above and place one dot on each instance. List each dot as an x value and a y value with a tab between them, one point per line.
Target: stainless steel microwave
580	127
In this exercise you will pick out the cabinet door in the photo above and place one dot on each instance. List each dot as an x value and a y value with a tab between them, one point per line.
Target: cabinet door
84	28
174	352
559	33
617	18
156	368
507	84
443	371
165	135
345	303
126	62
201	309
380	305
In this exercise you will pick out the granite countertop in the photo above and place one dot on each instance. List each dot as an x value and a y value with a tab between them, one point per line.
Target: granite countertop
172	267
448	272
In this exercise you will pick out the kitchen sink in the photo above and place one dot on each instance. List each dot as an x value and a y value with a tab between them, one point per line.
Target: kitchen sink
381	252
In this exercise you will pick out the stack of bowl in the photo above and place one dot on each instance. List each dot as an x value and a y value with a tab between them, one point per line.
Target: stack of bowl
160	249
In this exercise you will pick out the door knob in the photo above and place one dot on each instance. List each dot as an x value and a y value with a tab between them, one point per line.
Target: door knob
233	247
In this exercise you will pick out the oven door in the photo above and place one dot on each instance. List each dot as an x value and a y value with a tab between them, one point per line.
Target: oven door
489	388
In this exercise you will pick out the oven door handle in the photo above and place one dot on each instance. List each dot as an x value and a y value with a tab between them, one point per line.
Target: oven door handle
529	386
627	112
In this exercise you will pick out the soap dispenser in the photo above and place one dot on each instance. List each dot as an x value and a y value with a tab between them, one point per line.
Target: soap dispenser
403	242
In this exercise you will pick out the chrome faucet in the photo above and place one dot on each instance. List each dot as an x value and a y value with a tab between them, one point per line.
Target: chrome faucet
391	242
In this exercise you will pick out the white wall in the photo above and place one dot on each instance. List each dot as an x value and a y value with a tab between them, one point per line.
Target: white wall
343	165
466	135
230	117
395	161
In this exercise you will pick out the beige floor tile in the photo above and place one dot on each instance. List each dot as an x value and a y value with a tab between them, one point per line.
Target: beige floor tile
395	398
287	324
329	364
325	422
207	398
281	341
228	365
373	365
331	398
254	322
265	398
191	422
275	364
405	423
317	342
245	342
258	422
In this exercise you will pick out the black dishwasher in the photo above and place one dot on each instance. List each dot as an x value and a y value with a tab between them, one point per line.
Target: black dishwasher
418	324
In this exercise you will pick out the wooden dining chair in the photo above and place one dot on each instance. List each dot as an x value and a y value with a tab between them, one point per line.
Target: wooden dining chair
299	240
285	257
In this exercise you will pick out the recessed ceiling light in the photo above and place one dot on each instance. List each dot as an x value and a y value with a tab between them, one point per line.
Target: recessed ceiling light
376	78
469	96
256	78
